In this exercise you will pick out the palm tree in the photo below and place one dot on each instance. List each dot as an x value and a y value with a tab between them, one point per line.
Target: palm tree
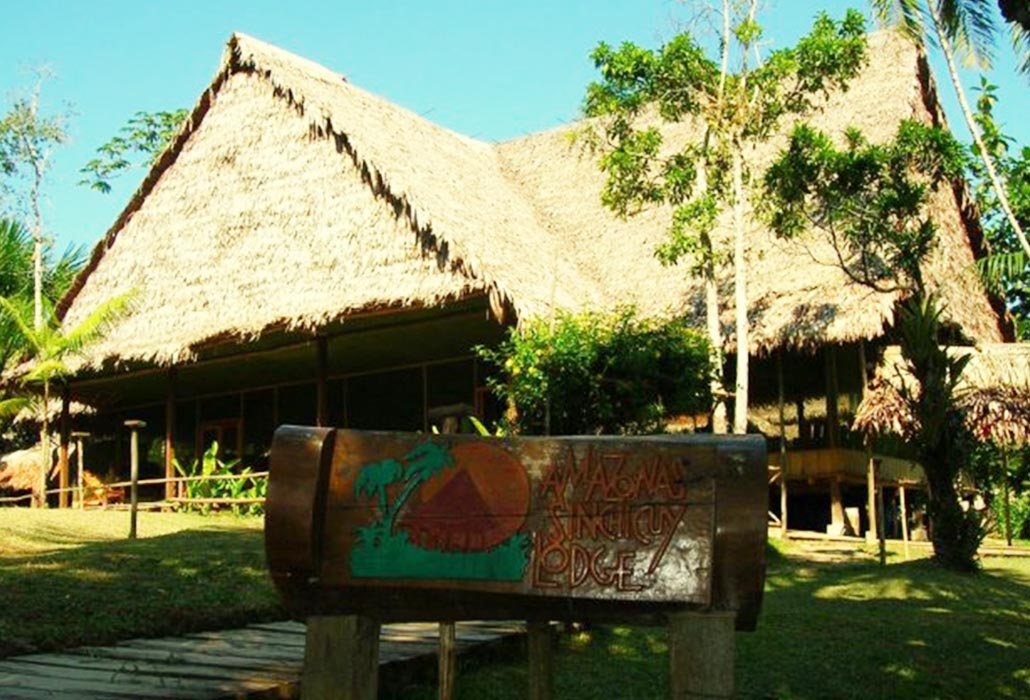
375	478
48	347
968	25
16	280
424	462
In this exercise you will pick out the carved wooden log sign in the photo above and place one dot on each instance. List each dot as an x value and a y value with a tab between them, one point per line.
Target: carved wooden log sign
401	526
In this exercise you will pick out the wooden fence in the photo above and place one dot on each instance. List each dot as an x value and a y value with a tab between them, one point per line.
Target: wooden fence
119	486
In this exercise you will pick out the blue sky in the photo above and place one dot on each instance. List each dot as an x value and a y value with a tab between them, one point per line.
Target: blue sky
489	69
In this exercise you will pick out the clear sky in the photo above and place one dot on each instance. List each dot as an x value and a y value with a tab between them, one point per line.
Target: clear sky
491	69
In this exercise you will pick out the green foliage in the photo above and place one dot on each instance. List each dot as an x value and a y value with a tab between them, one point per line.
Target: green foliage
867	200
677	81
210	465
27	140
591	374
139	143
1006	269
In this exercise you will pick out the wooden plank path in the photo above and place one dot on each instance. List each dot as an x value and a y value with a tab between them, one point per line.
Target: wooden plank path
259	661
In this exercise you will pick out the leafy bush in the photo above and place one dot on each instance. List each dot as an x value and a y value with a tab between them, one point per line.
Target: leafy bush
210	465
594	374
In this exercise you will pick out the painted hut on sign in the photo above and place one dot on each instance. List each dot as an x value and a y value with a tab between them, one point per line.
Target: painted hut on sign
308	252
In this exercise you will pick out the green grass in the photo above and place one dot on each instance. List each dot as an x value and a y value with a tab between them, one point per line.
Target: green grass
71	577
834	624
843	629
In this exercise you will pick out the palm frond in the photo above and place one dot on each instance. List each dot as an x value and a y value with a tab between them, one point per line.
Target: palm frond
11	407
970	24
94	325
996	269
15	309
906	15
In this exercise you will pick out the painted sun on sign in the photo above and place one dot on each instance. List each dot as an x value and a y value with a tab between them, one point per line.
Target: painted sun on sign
444	512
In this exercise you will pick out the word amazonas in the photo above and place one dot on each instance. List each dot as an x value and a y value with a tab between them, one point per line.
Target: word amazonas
610	519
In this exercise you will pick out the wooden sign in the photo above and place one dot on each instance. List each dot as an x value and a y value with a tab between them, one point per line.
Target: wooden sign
400	526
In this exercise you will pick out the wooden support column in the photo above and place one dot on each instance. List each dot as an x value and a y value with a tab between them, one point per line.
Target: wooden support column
836	507
783	443
62	451
881	523
322	381
80	458
1007	504
135	426
701	655
904	519
832	398
539	637
447	661
870	534
171	490
341	658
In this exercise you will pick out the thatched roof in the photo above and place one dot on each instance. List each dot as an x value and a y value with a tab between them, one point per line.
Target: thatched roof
292	198
993	394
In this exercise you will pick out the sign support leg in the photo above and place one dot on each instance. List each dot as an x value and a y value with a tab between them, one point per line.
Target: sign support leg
448	661
701	655
541	661
341	658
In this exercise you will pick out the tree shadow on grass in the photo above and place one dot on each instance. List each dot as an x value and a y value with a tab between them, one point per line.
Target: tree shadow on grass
102	592
828	630
911	630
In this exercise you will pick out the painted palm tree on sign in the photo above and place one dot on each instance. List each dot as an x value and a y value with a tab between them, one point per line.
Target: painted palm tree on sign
376	478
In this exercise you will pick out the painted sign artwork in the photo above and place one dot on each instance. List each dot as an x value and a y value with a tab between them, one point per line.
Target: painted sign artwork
454	513
585	520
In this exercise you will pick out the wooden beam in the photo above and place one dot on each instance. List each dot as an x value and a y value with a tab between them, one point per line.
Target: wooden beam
341	658
832	397
321	381
540	638
80	458
135	426
170	487
783	443
701	655
904	519
62	451
447	661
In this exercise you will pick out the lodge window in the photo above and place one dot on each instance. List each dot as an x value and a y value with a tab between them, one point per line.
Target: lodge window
386	401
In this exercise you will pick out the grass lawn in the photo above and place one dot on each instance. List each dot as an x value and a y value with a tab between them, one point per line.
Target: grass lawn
70	577
834	624
829	629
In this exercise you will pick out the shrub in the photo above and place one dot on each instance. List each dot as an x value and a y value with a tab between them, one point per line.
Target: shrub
594	374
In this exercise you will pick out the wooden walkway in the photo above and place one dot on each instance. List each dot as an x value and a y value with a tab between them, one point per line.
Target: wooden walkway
259	661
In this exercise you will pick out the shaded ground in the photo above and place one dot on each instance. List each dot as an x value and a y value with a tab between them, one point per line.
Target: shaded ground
843	628
834	624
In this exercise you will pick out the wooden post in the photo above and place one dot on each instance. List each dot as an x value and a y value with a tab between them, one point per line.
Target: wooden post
881	529
341	658
701	655
541	660
832	397
783	445
870	534
447	661
904	519
134	426
79	457
62	451
1007	504
321	381
836	507
170	487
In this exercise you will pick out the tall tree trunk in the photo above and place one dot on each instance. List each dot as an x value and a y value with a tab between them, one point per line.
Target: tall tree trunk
740	403
996	184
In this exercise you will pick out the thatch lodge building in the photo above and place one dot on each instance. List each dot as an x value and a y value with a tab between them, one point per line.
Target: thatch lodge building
305	251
